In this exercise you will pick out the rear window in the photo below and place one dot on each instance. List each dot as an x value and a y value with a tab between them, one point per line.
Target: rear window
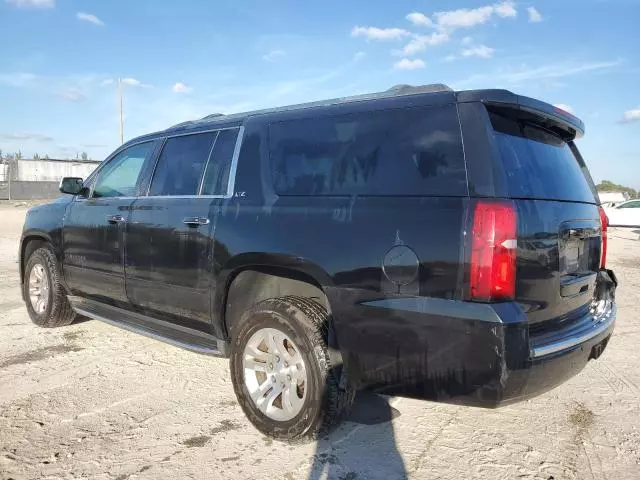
538	164
413	151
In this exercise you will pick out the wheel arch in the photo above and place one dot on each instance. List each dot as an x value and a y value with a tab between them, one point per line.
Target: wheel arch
30	243
250	279
251	282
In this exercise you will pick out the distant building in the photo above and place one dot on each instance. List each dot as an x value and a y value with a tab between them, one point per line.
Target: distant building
47	170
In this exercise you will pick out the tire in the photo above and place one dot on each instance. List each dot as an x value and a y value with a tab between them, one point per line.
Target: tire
304	322
57	311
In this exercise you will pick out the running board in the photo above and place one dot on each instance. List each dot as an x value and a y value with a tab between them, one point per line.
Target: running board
178	335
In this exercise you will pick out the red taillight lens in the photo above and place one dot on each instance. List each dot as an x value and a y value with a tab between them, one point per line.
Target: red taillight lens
604	223
493	251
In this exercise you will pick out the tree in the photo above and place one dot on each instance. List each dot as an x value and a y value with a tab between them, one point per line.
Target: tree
18	155
46	156
609	186
84	156
36	156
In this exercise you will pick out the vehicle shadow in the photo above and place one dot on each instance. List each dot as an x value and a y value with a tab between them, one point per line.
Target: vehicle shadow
363	446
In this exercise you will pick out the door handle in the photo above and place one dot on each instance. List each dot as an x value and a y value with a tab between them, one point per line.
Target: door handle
115	218
195	221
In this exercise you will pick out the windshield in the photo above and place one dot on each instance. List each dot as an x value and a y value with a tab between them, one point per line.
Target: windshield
538	164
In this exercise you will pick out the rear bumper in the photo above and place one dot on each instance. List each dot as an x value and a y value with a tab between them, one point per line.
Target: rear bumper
463	353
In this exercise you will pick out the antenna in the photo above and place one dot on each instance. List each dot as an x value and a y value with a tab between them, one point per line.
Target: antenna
121	117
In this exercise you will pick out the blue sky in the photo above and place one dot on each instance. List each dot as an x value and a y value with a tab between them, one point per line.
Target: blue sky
183	60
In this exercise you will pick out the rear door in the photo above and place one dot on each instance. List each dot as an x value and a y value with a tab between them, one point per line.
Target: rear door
169	249
559	231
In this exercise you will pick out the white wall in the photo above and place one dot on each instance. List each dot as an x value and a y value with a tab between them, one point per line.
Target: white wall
47	171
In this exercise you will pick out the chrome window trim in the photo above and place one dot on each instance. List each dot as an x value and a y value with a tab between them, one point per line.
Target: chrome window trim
163	139
232	169
234	164
206	164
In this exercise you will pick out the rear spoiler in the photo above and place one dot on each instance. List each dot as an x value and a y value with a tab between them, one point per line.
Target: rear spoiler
545	114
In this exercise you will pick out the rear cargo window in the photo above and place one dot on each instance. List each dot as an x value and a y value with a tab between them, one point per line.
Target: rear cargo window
538	164
414	151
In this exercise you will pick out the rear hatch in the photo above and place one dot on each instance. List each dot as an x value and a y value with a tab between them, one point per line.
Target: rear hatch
559	237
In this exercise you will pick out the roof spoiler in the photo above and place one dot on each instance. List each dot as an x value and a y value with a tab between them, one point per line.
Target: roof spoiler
570	124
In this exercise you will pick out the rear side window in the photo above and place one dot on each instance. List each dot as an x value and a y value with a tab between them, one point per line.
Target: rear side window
539	164
412	151
181	164
216	177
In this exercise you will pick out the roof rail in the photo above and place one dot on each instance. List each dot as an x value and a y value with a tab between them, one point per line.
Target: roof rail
404	89
396	90
213	115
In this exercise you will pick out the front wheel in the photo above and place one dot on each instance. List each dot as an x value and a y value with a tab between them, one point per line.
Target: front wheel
281	371
43	292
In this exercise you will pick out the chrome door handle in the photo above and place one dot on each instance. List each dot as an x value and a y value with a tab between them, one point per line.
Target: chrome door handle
195	221
115	218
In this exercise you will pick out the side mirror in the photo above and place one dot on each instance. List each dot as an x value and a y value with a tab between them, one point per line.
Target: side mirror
71	185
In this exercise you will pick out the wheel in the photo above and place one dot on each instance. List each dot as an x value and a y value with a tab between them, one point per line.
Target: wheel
44	295
281	372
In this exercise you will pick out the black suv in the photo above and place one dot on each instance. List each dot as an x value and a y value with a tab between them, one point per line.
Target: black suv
420	242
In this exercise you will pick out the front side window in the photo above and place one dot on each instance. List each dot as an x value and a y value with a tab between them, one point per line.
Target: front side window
410	151
630	205
119	177
181	165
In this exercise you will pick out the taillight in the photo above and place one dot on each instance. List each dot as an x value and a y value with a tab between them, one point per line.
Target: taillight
604	223
493	251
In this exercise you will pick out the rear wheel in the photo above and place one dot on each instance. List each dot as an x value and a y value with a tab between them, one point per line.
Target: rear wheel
281	371
44	294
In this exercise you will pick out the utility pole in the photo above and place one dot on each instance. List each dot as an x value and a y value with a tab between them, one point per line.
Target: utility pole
121	116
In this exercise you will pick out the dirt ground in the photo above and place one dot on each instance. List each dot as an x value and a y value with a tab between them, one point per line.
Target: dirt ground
93	401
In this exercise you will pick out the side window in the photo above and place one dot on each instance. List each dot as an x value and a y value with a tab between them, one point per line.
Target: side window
216	177
181	164
120	176
630	205
411	151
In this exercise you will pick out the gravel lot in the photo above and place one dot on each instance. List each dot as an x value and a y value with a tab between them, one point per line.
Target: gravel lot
94	401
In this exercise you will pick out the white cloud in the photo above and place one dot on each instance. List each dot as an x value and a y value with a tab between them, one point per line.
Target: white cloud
274	55
359	56
631	116
106	81
73	94
88	17
36	137
419	19
134	82
406	64
17	79
450	58
180	87
420	42
32	3
534	15
467	41
527	74
481	51
466	17
565	107
505	9
375	33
